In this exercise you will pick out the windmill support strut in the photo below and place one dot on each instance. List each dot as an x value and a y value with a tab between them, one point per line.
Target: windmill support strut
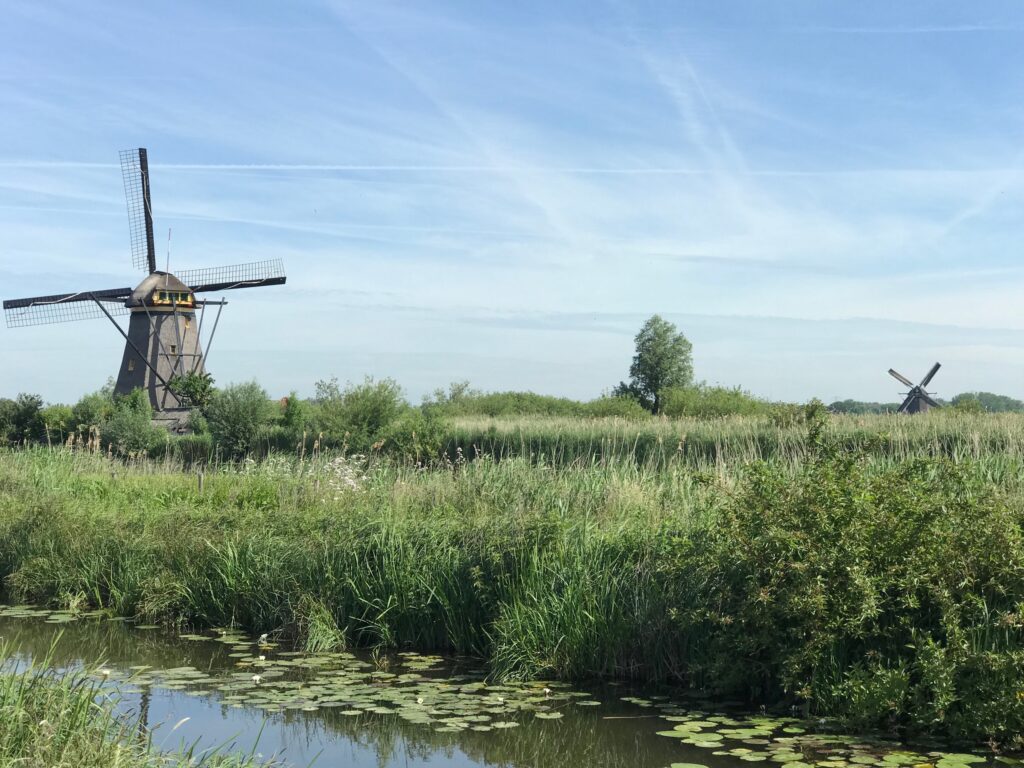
131	344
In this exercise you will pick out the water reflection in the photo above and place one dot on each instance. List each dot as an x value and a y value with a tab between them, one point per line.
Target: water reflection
615	734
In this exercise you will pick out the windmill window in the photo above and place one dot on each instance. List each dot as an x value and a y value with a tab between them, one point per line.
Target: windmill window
174	349
131	365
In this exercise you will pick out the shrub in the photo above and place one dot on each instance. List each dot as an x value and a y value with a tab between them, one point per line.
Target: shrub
889	598
708	402
93	409
57	420
510	404
358	415
129	429
417	435
237	416
193	389
619	407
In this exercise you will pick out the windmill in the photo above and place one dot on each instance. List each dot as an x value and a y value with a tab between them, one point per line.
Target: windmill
917	400
163	336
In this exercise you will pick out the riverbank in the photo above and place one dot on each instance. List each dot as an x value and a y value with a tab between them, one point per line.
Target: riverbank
883	592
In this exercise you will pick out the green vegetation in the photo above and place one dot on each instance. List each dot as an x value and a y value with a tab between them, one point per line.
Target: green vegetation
49	719
862	573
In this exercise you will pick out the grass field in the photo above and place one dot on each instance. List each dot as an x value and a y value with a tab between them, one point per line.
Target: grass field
868	569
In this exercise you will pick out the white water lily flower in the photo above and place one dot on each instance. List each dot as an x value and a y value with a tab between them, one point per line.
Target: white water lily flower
263	658
257	679
104	671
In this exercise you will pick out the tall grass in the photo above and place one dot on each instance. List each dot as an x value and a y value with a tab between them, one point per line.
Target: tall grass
878	583
49	718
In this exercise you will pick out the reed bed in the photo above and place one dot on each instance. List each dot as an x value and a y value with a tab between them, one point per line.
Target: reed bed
879	581
730	440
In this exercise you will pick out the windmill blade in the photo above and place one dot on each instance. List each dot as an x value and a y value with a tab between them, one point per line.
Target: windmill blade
252	275
927	398
905	405
931	375
900	377
65	307
135	172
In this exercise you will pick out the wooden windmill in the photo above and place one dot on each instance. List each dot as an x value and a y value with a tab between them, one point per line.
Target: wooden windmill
917	399
163	336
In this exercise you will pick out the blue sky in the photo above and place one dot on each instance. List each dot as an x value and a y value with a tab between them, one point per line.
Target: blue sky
503	192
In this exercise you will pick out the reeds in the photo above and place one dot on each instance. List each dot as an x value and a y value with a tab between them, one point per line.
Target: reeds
50	718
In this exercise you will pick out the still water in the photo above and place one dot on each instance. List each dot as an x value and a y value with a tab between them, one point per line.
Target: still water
411	710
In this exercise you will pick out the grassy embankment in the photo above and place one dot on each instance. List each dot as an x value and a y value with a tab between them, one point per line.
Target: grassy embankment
882	586
51	719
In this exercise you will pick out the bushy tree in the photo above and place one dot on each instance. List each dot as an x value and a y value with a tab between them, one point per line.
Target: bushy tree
129	430
22	418
93	409
296	417
57	420
193	389
237	415
663	360
358	414
990	402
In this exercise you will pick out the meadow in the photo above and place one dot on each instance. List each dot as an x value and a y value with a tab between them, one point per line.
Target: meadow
868	569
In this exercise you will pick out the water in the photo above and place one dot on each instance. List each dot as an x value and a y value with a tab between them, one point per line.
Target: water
411	711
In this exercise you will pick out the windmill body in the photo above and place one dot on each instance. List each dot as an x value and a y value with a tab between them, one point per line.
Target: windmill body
165	310
163	328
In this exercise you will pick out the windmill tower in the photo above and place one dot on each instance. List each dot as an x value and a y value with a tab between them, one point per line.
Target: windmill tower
163	337
917	400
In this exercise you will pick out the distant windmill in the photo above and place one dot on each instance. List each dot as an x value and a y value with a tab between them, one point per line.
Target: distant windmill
163	337
917	400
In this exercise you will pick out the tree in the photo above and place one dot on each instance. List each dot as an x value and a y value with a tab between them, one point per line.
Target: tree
194	389
663	360
238	416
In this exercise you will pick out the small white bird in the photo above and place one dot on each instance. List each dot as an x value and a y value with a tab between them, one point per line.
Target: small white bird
263	639
547	691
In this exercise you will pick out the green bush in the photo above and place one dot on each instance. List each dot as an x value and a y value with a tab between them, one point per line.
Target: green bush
129	429
93	409
358	415
706	402
888	598
417	435
21	419
237	416
510	404
618	407
58	421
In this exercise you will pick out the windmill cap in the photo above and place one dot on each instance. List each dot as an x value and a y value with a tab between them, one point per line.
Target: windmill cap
157	281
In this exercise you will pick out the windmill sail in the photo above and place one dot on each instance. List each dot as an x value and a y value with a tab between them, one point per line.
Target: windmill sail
65	307
251	275
135	172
